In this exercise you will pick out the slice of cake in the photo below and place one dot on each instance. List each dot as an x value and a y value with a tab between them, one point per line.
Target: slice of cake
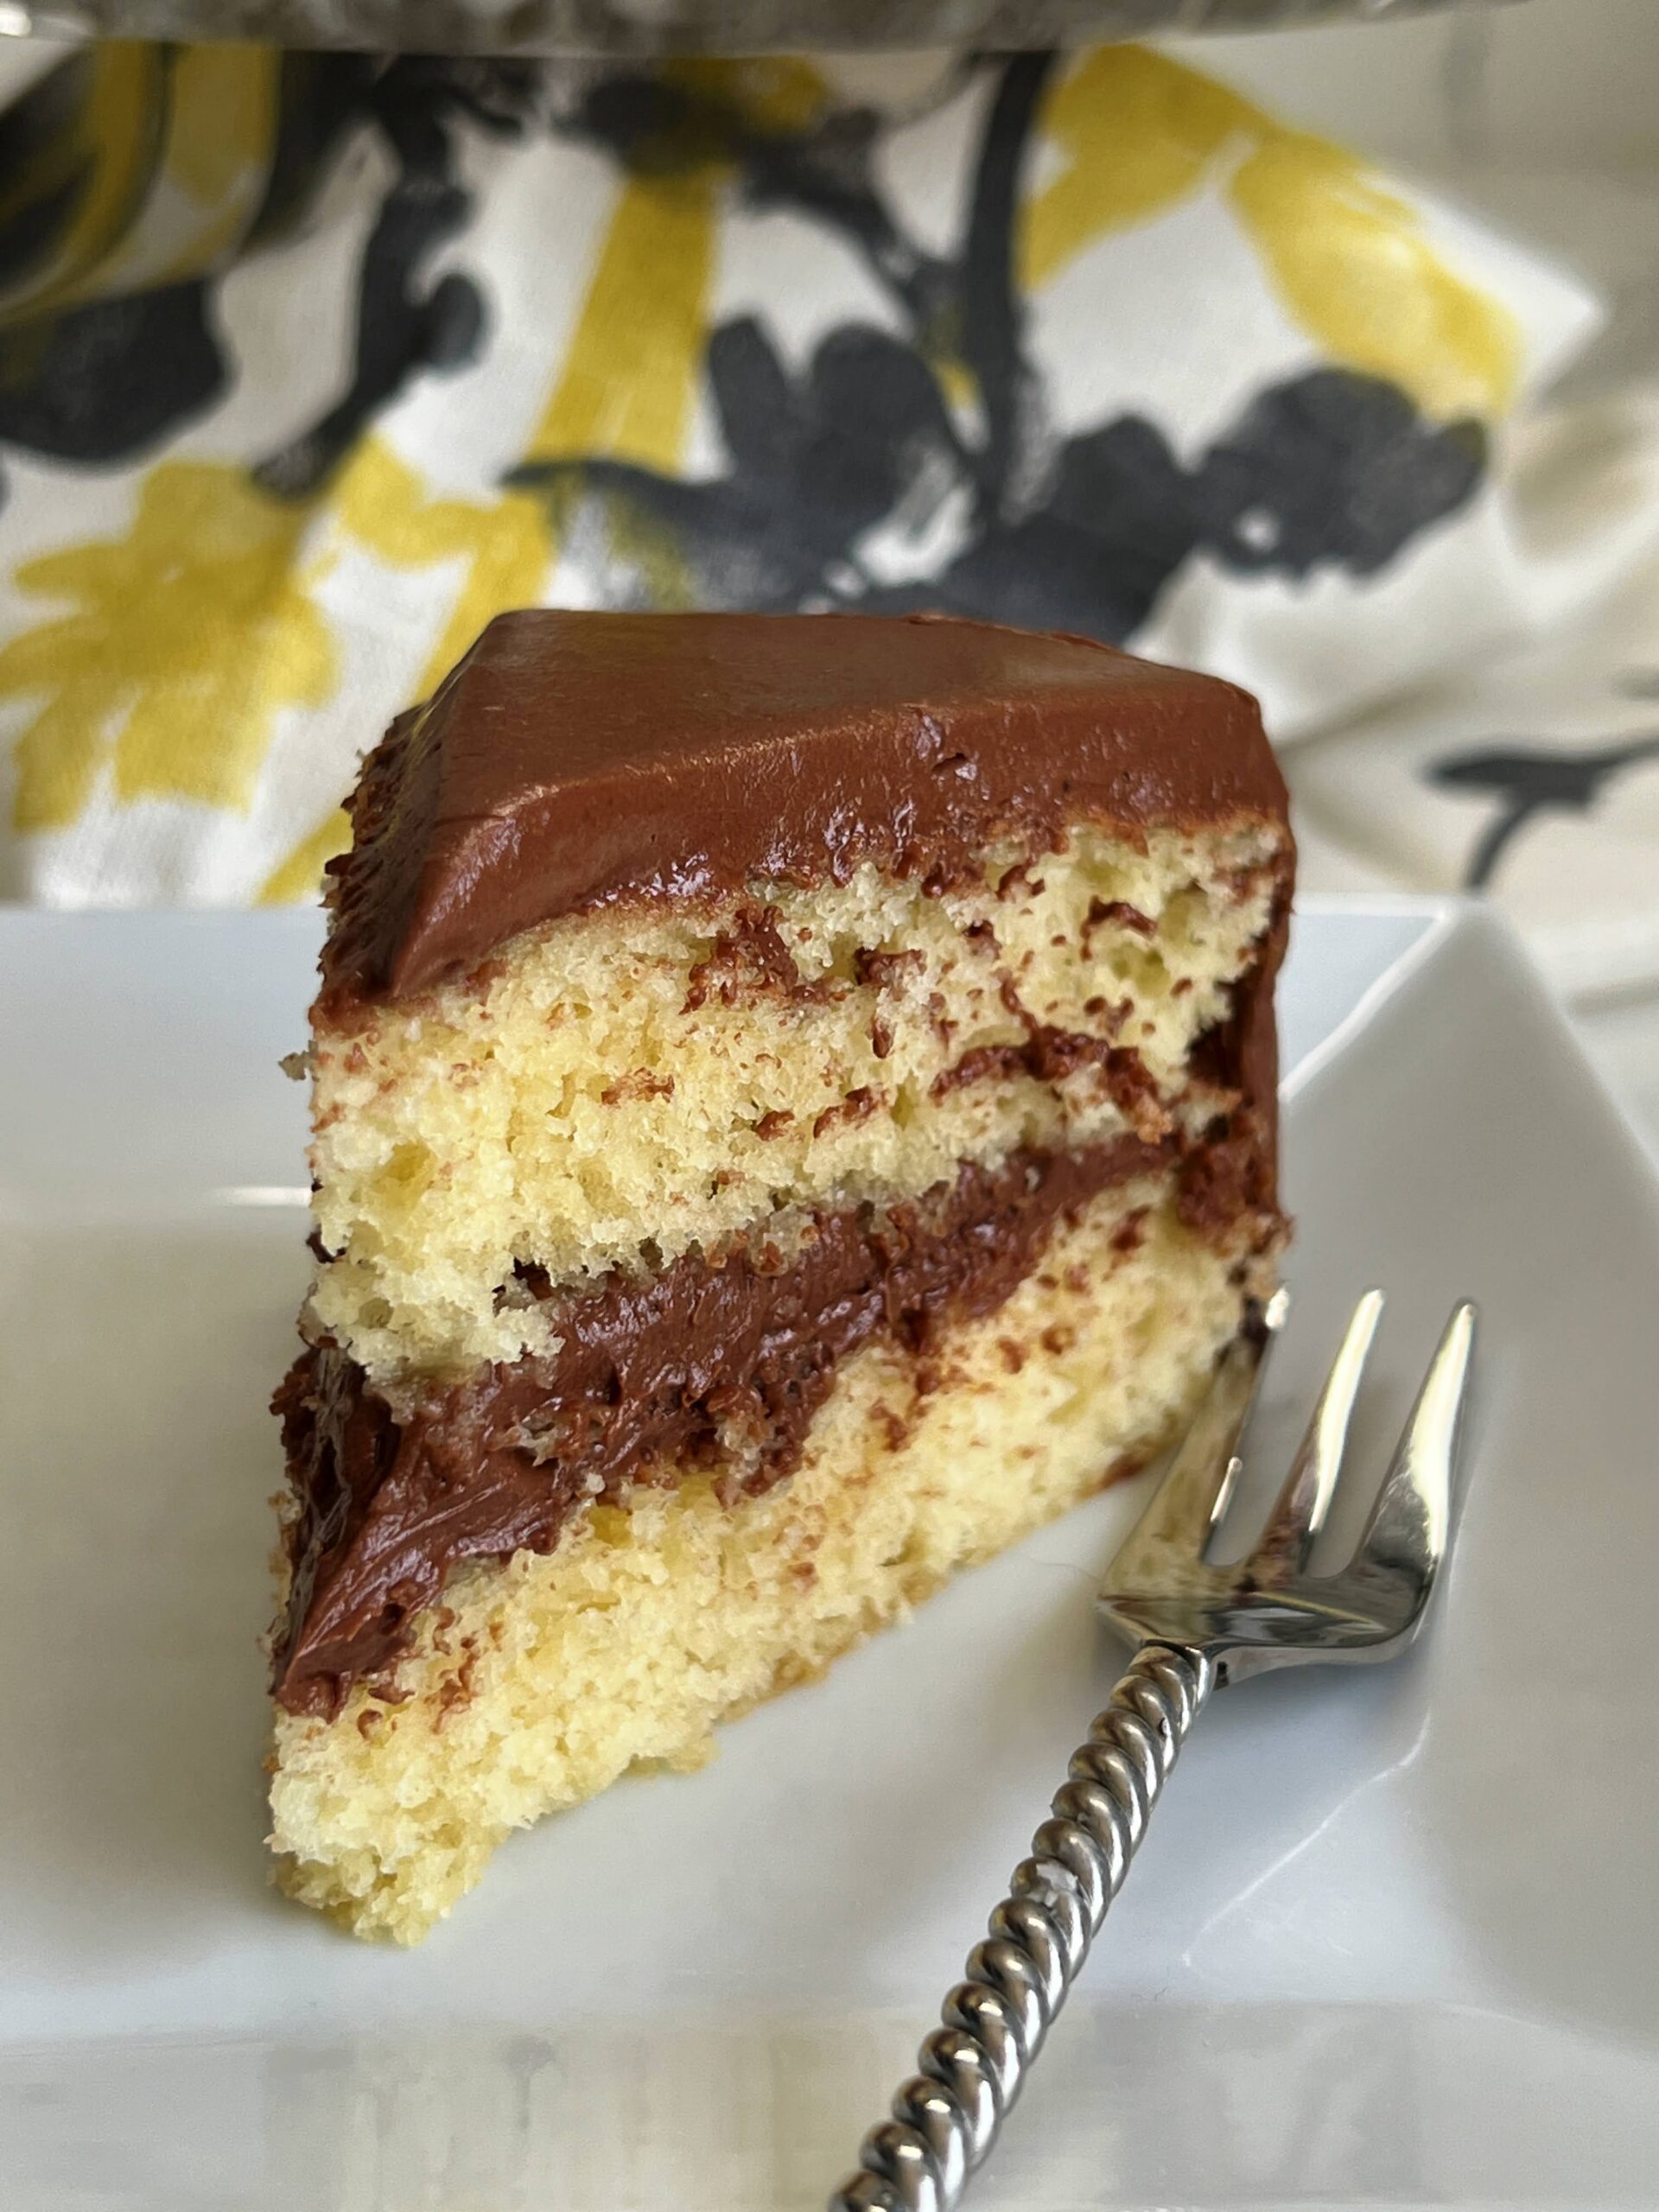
793	1110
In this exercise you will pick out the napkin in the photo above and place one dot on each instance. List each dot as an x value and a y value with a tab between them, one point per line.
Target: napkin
310	364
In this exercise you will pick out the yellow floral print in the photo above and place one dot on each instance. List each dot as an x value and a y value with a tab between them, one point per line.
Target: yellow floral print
99	168
156	174
500	545
171	650
225	116
1352	266
182	641
1137	133
625	390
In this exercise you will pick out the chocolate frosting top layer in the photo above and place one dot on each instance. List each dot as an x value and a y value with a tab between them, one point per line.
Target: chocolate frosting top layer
575	758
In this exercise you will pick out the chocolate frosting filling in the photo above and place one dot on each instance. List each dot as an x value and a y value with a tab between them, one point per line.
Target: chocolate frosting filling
574	759
714	1364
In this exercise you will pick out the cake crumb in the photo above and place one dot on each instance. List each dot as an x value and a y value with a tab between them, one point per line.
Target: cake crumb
1017	882
857	1106
883	970
1131	1232
643	1083
1117	914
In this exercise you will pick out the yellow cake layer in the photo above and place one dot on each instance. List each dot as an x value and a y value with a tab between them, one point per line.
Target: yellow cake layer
539	1681
614	1089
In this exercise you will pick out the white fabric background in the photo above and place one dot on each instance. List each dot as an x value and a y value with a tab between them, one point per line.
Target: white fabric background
1540	120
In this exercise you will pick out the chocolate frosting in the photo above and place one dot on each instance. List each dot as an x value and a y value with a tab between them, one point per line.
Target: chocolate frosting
575	759
720	1366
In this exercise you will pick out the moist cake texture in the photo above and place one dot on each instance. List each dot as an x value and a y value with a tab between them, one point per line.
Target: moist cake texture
793	1107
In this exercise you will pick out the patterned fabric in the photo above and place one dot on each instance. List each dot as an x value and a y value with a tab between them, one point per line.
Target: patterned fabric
309	364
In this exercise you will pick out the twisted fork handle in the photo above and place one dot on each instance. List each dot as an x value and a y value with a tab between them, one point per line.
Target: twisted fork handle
971	2068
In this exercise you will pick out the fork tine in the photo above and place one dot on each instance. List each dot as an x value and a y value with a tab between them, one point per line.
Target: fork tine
1409	1523
1187	1505
1298	1510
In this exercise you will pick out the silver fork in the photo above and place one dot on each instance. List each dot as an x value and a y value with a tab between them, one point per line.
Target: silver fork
1199	1625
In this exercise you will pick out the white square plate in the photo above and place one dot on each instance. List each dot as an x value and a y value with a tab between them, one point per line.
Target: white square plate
1394	1938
